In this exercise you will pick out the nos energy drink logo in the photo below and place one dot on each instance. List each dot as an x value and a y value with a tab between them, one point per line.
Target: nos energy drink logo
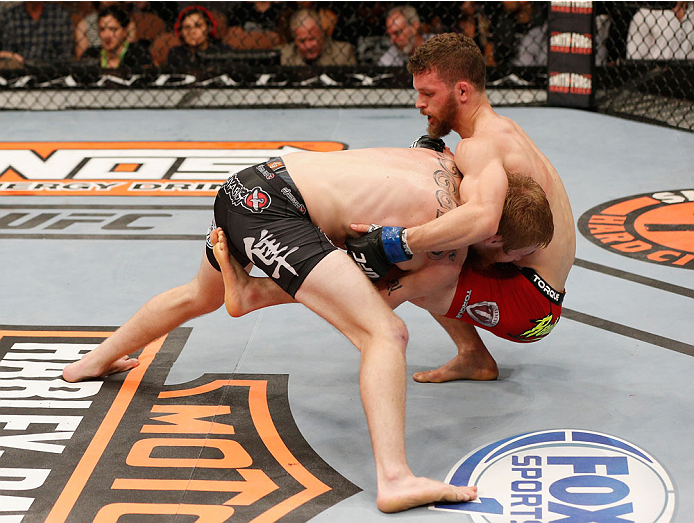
133	168
567	476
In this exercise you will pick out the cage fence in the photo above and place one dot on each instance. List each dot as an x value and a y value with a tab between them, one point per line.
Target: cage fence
632	59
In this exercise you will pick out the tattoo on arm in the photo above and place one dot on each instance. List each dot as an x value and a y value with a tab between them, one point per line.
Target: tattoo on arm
393	285
448	177
440	255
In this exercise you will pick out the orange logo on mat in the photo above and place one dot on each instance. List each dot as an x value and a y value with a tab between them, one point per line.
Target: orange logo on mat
655	227
131	446
133	168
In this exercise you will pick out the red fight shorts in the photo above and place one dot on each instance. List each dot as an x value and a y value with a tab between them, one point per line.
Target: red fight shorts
512	302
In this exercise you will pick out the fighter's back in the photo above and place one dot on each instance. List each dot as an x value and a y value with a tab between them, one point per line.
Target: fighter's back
387	186
521	155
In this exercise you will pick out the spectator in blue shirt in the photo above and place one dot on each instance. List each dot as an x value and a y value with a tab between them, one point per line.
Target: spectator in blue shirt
36	31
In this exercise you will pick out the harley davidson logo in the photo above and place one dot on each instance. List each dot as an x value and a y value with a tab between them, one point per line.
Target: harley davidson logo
129	446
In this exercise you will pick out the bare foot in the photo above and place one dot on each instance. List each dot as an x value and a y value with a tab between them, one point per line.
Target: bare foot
235	278
478	365
83	370
413	492
243	293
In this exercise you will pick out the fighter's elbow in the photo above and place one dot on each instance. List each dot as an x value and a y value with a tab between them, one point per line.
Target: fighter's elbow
488	226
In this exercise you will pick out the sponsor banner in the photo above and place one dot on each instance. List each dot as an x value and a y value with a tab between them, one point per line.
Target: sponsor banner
568	42
576	7
654	227
133	168
72	76
563	475
570	83
570	59
223	448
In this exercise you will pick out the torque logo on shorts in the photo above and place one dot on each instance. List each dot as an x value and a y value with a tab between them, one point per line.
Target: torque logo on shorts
563	475
463	307
654	227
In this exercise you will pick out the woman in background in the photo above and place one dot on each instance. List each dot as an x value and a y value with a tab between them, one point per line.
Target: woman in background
197	29
116	51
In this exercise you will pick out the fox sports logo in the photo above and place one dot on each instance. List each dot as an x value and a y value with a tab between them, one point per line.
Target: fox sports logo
563	475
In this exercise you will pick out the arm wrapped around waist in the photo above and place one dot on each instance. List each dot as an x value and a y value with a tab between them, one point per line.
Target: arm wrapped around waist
379	249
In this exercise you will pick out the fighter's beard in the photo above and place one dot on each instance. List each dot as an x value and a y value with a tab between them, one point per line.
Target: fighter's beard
440	127
438	130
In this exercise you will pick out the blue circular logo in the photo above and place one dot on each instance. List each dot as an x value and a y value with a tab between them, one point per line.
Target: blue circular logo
563	475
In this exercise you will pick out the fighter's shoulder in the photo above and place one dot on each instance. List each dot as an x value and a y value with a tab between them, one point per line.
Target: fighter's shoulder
482	148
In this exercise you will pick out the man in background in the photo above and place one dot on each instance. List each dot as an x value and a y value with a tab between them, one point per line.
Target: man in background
35	31
404	28
312	46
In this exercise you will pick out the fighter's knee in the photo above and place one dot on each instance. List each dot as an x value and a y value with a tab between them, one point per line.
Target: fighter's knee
395	331
401	331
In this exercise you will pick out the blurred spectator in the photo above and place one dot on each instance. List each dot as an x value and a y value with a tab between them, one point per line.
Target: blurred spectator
87	30
531	34
5	6
312	46
197	28
167	40
167	11
328	17
38	31
356	20
148	24
612	21
256	25
115	50
404	28
510	22
662	34
363	25
532	48
473	22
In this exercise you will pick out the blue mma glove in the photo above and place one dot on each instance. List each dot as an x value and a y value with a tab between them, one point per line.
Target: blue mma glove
376	251
427	142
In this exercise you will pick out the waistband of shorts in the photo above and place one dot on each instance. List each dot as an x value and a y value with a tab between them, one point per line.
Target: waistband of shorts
275	173
542	286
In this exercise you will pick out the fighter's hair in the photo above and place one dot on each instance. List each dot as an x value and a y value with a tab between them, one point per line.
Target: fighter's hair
453	57
526	220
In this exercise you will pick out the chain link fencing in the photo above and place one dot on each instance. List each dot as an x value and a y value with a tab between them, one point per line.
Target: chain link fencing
263	58
645	61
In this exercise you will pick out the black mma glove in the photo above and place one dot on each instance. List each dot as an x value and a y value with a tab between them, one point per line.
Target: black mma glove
376	251
427	142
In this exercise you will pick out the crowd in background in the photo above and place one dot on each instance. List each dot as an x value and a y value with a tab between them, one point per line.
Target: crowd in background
189	35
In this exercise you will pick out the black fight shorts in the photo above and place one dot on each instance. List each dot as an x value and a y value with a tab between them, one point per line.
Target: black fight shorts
266	223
